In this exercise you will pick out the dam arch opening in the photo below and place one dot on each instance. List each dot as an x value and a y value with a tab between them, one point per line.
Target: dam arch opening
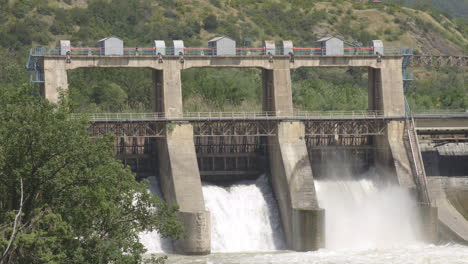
337	93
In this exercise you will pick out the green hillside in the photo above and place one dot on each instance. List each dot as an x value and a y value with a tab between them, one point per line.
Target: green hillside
29	23
457	8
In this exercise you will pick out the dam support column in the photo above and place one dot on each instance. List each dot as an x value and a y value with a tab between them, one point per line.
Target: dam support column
277	89
55	80
293	185
386	95
428	219
178	168
394	155
291	174
166	96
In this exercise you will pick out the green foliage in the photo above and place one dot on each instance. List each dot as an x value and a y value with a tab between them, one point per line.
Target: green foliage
210	22
447	89
79	204
115	90
221	89
323	90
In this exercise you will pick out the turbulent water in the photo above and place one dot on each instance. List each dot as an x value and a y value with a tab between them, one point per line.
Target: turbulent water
153	242
416	254
360	215
364	224
244	217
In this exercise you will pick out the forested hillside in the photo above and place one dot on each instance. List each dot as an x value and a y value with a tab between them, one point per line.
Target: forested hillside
451	7
29	23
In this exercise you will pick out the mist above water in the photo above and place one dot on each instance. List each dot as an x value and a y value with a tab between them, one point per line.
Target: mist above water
365	210
361	215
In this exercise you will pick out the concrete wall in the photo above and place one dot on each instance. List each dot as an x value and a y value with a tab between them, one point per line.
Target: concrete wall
450	159
143	61
453	223
166	96
55	79
181	185
386	88
277	89
303	221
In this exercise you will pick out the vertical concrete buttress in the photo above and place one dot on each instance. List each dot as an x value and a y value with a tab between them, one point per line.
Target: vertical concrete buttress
55	79
293	184
277	91
393	154
178	167
181	185
386	95
167	91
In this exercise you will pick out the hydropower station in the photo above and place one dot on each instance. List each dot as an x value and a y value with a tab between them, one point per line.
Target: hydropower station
291	147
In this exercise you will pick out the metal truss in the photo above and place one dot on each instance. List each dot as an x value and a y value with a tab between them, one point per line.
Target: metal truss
444	137
337	140
228	145
128	129
348	128
439	61
235	128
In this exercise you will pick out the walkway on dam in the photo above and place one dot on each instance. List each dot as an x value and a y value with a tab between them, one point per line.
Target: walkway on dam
270	116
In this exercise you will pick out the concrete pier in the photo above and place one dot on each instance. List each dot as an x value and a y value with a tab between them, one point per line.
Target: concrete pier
277	89
167	92
181	185
55	80
386	94
428	217
453	225
293	185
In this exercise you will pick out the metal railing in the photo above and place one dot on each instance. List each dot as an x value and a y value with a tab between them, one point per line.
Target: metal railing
204	51
339	114
441	113
37	77
418	165
408	76
107	117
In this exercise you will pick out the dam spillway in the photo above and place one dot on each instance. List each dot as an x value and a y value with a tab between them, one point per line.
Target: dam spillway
244	218
372	223
360	214
287	158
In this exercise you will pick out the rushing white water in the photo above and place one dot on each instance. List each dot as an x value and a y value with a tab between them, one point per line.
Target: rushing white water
152	241
361	215
244	217
364	224
416	254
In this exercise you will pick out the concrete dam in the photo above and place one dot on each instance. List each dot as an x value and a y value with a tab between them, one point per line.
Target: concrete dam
307	169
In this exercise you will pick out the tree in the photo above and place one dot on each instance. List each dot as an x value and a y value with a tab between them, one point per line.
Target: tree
210	22
63	197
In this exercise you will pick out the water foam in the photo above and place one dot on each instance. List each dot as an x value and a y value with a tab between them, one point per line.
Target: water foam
244	217
152	241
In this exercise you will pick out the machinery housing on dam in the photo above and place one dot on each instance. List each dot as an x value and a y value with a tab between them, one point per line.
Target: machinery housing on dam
184	148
